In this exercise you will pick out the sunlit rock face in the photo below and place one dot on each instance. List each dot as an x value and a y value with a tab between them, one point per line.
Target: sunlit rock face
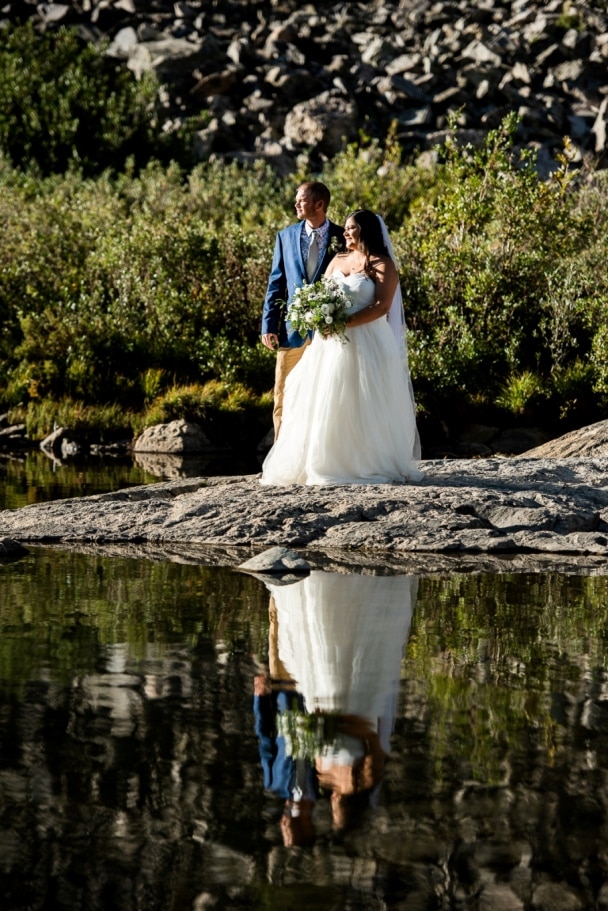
475	508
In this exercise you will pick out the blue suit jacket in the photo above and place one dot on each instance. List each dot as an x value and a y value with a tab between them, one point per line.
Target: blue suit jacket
287	273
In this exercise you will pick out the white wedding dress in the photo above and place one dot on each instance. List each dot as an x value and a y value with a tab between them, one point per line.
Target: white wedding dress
348	412
341	637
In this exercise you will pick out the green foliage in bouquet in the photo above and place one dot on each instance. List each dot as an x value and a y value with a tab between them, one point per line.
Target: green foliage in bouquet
320	307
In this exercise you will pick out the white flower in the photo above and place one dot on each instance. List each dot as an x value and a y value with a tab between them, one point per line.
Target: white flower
319	306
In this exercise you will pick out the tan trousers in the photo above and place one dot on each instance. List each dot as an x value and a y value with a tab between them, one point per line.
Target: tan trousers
287	358
276	667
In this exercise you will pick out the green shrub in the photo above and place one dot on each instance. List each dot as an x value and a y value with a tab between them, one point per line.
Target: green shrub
230	414
104	423
200	402
520	391
372	175
64	103
103	281
253	197
118	289
483	263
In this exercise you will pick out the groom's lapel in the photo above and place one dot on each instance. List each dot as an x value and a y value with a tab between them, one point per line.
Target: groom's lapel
296	234
334	231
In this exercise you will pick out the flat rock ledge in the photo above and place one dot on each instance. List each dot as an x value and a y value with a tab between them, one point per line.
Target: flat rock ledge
475	512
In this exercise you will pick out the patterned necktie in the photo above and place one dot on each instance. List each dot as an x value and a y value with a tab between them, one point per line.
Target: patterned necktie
313	256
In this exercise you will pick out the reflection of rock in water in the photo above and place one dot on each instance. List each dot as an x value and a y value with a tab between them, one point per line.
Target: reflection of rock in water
163	465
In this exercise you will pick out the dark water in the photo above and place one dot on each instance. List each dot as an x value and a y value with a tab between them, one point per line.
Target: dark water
33	477
175	736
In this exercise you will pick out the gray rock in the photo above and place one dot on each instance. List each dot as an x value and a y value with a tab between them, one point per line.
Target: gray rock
602	898
174	56
499	897
11	549
481	53
61	443
276	560
125	41
53	12
174	437
599	127
171	466
587	441
471	50
323	123
482	508
13	438
12	430
551	896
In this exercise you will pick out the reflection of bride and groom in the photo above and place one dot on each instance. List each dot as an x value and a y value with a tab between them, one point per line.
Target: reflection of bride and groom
345	411
325	711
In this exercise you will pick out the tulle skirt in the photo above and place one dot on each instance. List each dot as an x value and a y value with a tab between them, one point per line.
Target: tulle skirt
341	638
348	414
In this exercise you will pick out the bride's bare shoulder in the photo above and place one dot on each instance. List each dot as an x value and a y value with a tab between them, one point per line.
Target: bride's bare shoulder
382	263
337	262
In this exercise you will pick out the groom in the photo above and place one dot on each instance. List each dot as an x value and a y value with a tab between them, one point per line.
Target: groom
301	255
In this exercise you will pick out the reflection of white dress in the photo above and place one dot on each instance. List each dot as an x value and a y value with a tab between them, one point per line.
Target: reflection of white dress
342	637
348	413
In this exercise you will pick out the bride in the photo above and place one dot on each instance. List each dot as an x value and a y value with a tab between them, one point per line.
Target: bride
349	415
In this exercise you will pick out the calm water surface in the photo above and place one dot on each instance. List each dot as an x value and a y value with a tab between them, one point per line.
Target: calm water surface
174	736
181	737
33	477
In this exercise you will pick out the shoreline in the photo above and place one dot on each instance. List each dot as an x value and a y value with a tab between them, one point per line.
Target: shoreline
516	513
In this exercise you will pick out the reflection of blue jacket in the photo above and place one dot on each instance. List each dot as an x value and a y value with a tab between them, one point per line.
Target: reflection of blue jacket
287	273
279	768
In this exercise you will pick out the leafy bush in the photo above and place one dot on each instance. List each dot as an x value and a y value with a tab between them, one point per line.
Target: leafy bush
518	392
118	289
104	423
229	413
495	280
103	281
66	103
372	175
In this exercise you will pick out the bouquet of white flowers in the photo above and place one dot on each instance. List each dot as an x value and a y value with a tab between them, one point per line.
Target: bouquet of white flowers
322	306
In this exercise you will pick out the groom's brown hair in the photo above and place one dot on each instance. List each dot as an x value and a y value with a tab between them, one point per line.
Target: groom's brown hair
317	191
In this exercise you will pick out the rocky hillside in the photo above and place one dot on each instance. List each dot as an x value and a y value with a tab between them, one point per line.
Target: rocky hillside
277	78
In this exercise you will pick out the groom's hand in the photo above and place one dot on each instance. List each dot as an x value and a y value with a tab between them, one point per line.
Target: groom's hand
271	341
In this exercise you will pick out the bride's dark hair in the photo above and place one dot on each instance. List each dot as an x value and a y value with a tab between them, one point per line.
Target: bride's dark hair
371	240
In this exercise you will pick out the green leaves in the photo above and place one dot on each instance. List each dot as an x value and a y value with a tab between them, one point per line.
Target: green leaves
115	288
64	103
488	272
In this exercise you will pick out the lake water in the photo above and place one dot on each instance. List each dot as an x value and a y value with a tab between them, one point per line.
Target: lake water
33	477
176	736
